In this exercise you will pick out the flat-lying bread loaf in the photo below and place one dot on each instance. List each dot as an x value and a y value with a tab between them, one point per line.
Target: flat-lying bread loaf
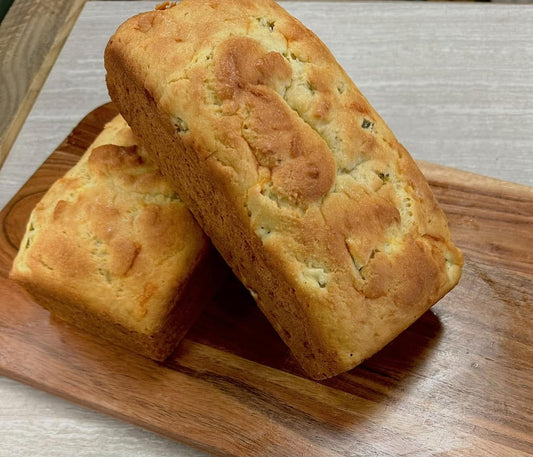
298	182
112	249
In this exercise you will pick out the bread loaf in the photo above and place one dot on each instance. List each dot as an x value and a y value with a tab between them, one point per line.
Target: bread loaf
112	249
301	186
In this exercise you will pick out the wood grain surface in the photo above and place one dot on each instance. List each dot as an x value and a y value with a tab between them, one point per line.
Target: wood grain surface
458	381
31	36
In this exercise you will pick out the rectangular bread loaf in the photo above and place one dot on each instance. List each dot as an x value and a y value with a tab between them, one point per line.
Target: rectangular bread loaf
299	183
112	249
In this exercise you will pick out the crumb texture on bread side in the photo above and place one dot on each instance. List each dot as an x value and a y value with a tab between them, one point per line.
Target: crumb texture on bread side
334	211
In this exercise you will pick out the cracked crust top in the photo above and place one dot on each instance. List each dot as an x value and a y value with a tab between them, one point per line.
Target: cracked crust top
334	210
112	236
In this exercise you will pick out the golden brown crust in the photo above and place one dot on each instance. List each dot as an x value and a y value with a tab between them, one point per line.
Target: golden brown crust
112	249
300	184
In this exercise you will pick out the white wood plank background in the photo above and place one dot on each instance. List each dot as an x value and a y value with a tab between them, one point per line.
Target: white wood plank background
453	81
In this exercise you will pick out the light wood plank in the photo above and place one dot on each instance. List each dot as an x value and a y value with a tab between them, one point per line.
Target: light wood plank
31	37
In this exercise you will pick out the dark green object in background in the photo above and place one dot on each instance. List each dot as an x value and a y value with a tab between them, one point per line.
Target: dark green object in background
4	6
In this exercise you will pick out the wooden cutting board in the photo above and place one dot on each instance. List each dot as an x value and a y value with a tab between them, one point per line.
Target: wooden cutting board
458	381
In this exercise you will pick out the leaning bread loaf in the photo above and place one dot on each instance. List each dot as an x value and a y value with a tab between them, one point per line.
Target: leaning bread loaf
112	249
298	182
